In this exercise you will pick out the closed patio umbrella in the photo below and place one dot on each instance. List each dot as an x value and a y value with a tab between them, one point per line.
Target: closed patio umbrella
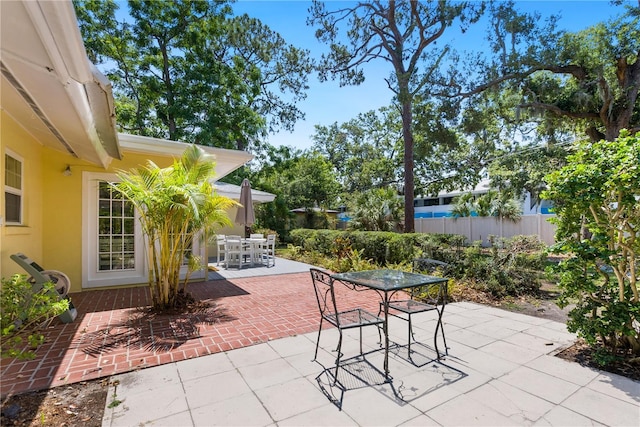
245	214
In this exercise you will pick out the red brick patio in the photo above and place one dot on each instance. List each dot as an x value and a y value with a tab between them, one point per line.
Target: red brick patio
113	334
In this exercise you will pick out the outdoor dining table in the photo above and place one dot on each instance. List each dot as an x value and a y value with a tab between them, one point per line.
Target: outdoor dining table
253	244
387	283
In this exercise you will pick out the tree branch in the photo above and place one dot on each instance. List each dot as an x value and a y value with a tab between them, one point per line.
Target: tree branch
576	71
559	111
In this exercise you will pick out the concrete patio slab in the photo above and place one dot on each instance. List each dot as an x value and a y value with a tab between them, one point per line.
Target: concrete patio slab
277	383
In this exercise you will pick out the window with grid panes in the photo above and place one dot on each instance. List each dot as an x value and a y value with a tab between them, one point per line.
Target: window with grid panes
12	190
116	227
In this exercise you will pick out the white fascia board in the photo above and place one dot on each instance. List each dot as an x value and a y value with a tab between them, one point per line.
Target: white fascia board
232	191
57	26
226	160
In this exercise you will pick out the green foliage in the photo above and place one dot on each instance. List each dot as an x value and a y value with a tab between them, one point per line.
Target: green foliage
192	71
553	72
299	180
380	247
510	267
312	183
265	232
275	216
22	312
375	136
176	205
350	260
378	209
596	200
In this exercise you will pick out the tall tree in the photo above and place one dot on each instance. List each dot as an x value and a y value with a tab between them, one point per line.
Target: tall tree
375	136
312	182
399	32
589	79
188	70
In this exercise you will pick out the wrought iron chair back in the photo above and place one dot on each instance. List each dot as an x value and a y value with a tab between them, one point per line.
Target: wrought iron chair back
325	296
323	285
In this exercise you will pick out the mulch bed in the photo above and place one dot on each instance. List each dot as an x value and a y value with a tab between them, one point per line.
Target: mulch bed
622	363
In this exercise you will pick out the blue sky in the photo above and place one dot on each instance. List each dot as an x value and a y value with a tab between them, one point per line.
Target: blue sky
327	103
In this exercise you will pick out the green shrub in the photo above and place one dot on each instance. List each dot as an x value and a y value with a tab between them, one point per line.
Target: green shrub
265	232
595	199
510	267
23	312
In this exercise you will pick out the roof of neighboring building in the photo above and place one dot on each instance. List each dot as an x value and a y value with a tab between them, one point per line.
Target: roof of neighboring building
302	210
232	191
482	187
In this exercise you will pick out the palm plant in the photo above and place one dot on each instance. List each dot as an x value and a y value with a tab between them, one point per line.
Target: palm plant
493	203
463	205
378	209
175	205
505	206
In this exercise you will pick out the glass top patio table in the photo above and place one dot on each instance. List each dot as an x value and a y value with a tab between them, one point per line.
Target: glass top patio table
387	282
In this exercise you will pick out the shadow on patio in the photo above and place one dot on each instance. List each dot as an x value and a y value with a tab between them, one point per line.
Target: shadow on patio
115	332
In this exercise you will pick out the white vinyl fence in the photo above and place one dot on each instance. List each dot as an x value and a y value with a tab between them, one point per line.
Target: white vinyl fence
479	228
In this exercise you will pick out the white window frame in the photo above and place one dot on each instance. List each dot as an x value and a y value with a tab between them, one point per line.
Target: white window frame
92	277
12	190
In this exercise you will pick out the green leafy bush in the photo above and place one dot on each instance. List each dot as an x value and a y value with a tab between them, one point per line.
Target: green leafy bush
510	267
22	312
596	201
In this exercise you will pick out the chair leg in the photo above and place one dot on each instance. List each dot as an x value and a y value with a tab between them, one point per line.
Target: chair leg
435	338
410	335
315	355
444	339
339	350
380	327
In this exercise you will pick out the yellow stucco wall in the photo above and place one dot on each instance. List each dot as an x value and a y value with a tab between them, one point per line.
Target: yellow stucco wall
26	238
62	199
53	206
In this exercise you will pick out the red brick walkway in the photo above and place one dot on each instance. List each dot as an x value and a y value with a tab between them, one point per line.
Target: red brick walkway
114	334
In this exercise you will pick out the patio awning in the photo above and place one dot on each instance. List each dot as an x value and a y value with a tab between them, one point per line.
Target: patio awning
226	160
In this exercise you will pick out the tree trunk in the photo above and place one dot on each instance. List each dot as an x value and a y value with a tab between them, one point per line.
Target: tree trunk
166	77
407	135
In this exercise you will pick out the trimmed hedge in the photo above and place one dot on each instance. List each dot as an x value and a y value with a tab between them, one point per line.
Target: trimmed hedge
381	247
509	267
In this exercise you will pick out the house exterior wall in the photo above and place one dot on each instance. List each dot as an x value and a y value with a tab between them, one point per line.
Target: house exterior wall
62	202
52	233
26	238
440	206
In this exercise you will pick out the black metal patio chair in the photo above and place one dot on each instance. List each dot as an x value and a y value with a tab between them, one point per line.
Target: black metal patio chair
348	319
434	299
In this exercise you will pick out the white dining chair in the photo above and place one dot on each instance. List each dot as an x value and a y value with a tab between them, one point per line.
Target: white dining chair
268	250
235	251
220	243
